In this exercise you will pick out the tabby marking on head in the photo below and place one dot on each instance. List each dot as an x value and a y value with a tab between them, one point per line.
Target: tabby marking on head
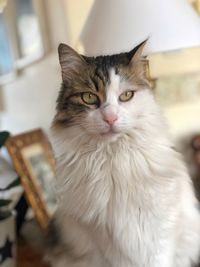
97	93
126	199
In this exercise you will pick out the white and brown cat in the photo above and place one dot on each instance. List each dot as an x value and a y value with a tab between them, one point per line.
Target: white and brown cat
125	197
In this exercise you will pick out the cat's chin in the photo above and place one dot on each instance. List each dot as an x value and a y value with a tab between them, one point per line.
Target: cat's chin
110	135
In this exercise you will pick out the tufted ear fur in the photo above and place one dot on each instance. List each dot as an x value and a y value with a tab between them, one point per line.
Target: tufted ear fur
138	62
70	61
136	53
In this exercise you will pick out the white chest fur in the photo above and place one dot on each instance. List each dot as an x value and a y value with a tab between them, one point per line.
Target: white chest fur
126	194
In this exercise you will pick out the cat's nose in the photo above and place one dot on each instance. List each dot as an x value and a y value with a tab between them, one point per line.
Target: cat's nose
110	118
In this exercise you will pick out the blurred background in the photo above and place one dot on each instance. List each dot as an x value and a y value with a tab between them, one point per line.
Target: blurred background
30	31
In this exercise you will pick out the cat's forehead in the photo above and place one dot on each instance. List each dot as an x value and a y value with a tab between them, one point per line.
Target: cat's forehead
107	70
104	64
101	74
117	84
111	61
109	80
117	73
114	81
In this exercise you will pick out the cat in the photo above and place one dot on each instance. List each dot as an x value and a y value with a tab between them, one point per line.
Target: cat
125	197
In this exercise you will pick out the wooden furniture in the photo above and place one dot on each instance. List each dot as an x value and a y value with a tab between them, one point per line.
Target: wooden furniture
33	160
31	246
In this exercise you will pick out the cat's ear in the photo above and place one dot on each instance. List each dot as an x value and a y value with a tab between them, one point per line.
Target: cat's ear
137	61
70	61
136	54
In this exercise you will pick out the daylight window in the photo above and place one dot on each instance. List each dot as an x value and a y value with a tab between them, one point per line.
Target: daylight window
21	39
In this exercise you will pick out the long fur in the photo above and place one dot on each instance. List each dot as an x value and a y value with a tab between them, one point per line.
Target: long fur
127	202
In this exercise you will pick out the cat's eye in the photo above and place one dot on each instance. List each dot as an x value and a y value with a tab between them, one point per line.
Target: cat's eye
126	96
89	98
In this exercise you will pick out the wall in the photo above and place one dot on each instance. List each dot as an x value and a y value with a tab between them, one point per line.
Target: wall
179	95
76	15
29	101
184	119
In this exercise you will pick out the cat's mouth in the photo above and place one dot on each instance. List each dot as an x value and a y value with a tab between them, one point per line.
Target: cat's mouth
110	133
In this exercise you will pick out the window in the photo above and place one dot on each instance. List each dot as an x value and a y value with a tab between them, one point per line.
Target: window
5	49
21	37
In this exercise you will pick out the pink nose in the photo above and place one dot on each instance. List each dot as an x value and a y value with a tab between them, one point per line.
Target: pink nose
110	118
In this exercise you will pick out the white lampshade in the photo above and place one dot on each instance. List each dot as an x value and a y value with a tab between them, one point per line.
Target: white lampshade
115	26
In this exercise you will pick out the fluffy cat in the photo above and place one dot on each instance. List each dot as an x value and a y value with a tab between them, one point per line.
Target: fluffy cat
126	199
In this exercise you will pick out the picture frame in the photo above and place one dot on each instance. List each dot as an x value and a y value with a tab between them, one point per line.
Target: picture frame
32	157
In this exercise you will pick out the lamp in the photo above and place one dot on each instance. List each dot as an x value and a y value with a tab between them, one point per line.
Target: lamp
115	26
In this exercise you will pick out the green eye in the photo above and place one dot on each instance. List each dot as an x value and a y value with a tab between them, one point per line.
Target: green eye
126	96
90	99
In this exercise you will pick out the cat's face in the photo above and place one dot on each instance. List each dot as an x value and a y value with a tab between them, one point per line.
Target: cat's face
104	96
